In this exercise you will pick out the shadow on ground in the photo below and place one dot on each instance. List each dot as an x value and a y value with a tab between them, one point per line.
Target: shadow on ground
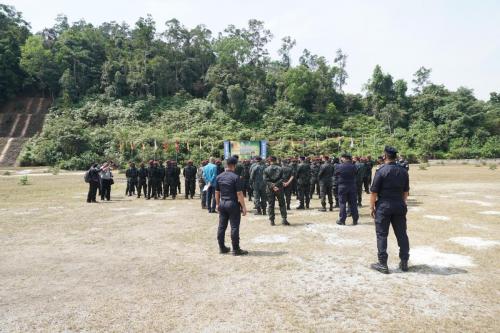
436	270
267	253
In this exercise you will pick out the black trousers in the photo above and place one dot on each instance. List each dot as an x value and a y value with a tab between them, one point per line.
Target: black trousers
272	197
288	195
391	212
131	186
229	211
150	187
348	195
325	190
367	181
315	185
173	189
359	191
106	189
142	186
91	196
203	194
189	187
303	193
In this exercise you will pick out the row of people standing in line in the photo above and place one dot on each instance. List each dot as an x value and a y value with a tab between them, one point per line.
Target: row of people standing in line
158	181
301	179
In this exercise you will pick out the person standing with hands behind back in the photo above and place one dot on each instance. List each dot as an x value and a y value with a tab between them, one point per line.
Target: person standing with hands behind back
390	189
230	203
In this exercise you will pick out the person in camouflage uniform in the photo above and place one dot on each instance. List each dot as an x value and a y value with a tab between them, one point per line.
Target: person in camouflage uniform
303	182
287	182
294	165
258	185
325	176
315	166
273	177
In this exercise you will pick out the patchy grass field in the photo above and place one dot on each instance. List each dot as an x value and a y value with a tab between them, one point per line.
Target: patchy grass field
132	265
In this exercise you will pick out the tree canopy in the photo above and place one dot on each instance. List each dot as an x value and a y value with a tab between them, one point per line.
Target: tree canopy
115	83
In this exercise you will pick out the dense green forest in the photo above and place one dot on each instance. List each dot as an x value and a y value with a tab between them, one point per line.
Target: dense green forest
117	89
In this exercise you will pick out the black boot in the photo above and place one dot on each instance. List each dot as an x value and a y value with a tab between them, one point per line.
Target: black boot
272	222
336	204
403	265
381	267
224	250
288	207
285	222
258	212
331	207
322	209
340	223
355	222
264	211
301	207
239	252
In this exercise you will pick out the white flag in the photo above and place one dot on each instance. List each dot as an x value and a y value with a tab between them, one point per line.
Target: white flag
352	143
156	146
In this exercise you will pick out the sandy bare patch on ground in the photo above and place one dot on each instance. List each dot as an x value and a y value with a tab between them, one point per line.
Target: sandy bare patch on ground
477	243
490	212
131	265
437	217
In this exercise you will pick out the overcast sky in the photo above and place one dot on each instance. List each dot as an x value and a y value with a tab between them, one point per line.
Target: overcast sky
459	40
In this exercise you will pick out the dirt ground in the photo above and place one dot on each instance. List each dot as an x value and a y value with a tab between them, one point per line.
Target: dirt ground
132	265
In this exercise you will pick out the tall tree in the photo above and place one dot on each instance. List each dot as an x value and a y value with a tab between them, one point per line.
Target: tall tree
13	33
421	79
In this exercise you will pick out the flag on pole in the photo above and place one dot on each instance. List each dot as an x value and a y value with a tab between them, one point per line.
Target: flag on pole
187	145
352	143
156	146
200	143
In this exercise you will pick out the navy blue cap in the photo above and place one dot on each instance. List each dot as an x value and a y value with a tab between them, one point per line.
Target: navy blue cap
390	150
346	155
232	161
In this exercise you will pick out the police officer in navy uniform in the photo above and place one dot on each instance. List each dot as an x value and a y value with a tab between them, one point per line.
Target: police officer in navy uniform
345	175
389	192
230	204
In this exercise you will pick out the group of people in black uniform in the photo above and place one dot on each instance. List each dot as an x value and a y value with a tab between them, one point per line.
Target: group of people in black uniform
158	181
340	181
